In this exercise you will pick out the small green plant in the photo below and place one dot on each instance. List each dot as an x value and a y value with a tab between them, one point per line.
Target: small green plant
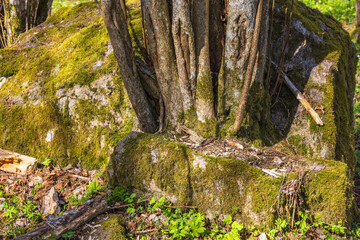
75	201
68	235
11	212
302	223
47	162
93	188
189	225
156	204
119	194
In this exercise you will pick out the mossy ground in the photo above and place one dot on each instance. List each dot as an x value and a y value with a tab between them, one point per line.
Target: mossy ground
46	65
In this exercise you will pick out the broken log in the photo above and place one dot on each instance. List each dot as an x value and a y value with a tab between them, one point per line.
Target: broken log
300	96
15	163
70	220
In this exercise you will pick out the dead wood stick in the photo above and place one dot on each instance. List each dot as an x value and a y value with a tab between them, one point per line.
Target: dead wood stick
70	220
147	231
300	97
175	207
81	177
193	135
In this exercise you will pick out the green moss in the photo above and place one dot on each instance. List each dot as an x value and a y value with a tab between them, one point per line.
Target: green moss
115	227
65	50
204	88
135	25
323	200
209	128
256	124
151	164
300	147
334	46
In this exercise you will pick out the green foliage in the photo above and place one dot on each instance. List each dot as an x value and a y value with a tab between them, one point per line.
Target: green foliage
190	224
342	10
93	188
187	225
302	223
47	162
57	4
13	208
68	235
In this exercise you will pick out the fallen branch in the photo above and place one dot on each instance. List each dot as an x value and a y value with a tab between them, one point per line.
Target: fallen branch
272	173
147	231
193	135
15	163
81	177
300	97
70	220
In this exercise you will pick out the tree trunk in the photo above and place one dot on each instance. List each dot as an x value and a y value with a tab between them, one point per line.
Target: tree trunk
43	11
357	7
204	90
2	25
188	42
123	7
117	27
162	51
22	15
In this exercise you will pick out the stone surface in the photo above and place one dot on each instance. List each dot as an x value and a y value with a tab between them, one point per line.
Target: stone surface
64	97
50	203
321	61
215	185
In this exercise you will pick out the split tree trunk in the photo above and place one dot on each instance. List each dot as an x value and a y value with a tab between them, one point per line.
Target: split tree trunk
22	15
115	22
188	42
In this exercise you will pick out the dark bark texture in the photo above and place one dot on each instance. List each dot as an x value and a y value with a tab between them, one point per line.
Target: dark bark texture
21	15
2	25
357	7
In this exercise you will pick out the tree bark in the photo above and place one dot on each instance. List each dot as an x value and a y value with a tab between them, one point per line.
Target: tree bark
260	28
120	39
22	15
162	51
204	90
70	220
357	7
123	7
43	11
184	50
2	25
190	47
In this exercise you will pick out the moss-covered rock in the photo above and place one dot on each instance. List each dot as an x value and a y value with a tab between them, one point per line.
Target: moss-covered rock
113	228
150	164
60	90
321	61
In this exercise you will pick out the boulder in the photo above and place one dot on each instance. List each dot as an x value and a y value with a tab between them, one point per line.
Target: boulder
60	91
321	61
112	228
156	165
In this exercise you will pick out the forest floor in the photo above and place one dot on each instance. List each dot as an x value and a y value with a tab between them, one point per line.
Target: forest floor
45	194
